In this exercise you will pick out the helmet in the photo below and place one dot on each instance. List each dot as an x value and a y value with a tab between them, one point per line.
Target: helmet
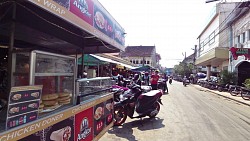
136	76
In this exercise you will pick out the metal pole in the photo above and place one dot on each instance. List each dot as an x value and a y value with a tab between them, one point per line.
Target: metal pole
82	68
11	46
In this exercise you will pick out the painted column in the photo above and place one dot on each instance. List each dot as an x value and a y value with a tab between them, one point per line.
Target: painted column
208	71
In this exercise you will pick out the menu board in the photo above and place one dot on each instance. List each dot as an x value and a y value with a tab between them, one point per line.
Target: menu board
23	105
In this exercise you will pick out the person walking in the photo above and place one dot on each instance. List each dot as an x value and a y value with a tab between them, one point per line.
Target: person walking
154	80
165	80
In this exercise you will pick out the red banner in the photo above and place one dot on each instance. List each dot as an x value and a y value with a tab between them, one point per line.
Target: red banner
240	52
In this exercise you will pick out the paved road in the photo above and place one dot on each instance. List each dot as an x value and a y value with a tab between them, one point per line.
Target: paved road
189	114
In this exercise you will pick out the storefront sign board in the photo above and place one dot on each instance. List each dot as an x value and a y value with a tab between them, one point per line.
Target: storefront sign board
240	52
90	16
31	128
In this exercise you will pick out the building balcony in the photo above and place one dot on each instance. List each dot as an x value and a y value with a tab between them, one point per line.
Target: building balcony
214	57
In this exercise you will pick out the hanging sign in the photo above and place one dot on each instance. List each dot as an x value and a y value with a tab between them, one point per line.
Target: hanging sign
240	52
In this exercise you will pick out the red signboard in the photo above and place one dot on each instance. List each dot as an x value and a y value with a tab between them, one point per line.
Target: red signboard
84	125
83	9
240	52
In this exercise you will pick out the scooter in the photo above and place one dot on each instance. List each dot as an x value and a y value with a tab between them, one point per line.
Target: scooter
162	85
170	81
137	105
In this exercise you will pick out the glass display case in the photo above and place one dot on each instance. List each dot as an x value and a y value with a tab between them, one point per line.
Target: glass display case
87	89
56	73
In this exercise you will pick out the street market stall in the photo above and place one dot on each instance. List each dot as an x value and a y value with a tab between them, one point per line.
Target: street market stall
41	97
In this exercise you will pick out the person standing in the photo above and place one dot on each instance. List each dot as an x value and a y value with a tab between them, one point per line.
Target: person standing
146	78
154	80
165	80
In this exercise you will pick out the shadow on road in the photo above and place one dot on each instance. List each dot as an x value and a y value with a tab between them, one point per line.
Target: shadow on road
126	130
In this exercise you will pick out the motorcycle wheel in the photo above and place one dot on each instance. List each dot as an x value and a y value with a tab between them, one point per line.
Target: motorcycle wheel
157	107
245	95
220	89
120	116
233	92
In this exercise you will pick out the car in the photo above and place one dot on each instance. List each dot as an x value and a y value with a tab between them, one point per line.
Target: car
212	78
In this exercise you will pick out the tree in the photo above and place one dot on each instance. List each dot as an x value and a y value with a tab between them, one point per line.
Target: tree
183	69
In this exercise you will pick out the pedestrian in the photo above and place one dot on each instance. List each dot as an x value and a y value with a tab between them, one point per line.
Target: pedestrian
165	80
154	80
146	78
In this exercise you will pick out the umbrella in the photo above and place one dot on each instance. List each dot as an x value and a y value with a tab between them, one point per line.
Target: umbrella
142	68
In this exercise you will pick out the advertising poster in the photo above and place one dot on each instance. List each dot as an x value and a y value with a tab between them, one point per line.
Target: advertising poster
84	125
119	34
61	131
99	118
102	22
108	111
83	9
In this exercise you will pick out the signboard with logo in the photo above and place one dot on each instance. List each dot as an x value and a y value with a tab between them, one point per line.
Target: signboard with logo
84	129
90	15
75	123
83	9
240	52
23	105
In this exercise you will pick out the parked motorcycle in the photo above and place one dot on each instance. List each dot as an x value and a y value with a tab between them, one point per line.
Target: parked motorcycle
136	102
234	90
223	87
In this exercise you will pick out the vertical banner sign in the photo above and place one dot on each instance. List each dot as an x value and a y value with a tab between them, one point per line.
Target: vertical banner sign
99	118
23	105
84	125
109	114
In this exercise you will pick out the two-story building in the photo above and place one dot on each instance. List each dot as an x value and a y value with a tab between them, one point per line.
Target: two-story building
141	55
240	45
213	49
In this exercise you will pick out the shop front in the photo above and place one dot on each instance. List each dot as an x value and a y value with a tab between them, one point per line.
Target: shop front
41	96
240	63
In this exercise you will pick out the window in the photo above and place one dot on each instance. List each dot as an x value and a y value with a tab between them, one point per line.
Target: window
202	46
133	61
248	34
211	38
137	62
148	62
238	37
243	37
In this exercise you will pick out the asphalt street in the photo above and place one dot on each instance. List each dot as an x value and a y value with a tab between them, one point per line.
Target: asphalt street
189	114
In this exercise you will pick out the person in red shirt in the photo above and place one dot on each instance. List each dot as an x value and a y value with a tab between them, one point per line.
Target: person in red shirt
154	80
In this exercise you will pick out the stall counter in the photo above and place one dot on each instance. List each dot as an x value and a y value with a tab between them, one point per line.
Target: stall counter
86	121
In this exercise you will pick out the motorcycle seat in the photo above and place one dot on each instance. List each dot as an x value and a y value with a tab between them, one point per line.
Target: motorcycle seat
152	93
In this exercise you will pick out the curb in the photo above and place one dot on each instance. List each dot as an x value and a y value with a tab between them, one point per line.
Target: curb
242	102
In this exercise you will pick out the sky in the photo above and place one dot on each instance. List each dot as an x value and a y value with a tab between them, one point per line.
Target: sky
171	25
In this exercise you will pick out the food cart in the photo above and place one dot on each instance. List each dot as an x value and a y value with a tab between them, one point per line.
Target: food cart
42	97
